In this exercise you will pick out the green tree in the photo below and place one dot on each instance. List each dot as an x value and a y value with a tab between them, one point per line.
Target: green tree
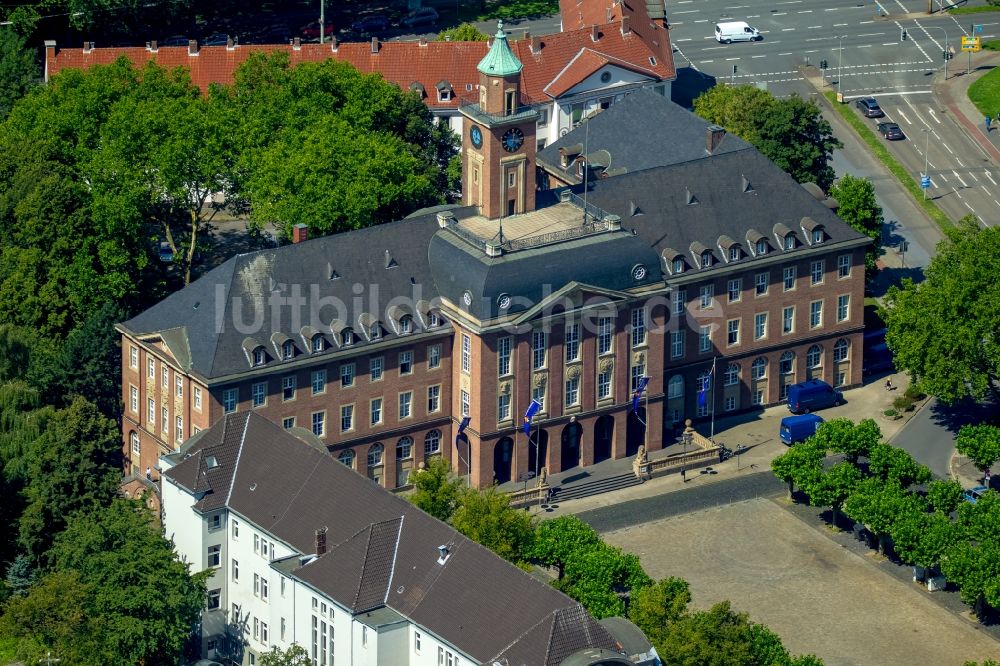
600	579
74	465
943	330
896	465
20	575
981	521
465	32
791	131
18	69
437	489
860	209
654	607
844	436
486	517
924	538
833	487
145	599
975	568
802	463
15	353
558	540
296	655
878	506
980	443
944	496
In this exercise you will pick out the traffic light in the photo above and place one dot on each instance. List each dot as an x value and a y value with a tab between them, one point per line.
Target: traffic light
902	35
944	55
822	64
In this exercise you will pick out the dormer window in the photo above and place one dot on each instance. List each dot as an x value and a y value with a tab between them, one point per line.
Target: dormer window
678	265
375	332
817	235
734	253
789	242
761	247
259	356
435	320
706	258
287	350
347	335
318	343
444	95
405	324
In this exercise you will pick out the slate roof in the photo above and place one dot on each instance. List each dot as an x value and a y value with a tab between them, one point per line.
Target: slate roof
384	551
402	63
640	132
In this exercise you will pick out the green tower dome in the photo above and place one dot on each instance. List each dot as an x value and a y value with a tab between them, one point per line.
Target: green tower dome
500	60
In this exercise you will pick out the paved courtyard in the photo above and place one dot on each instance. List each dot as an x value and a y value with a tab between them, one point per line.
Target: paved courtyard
818	596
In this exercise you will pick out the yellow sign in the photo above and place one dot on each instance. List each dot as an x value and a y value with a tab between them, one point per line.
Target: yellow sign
972	44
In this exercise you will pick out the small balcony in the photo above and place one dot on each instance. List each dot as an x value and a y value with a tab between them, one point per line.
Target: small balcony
522	110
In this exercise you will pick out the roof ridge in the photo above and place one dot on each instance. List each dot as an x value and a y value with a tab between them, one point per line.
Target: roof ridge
239	453
395	554
550	616
364	566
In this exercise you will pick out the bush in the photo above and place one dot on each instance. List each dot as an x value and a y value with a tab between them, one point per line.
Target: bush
903	403
914	394
891	413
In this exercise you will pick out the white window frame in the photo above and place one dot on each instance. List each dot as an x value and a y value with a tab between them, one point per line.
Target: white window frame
638	332
466	403
433	398
572	391
815	314
843	266
761	283
734	289
843	308
347	375
375	410
466	354
539	349
258	394
605	335
346	418
504	355
503	407
572	343
406	362
405	405
816	270
433	356
375	369
677	339
317	423
788	277
760	326
705	339
788	320
230	400
317	381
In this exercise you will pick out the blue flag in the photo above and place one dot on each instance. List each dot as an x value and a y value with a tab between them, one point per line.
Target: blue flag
637	395
461	428
533	409
706	385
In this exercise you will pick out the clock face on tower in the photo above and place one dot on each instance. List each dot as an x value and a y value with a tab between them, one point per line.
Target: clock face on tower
476	135
512	139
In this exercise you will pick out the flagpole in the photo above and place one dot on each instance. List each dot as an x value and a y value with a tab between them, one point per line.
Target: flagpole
645	425
537	455
711	379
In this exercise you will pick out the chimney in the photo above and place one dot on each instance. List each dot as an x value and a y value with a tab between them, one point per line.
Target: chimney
375	45
536	45
192	47
423	41
88	47
713	137
333	43
595	33
151	45
320	542
300	232
297	44
445	219
50	56
527	34
230	44
625	26
442	554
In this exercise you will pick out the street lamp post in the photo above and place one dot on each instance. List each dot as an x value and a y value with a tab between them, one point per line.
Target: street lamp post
840	64
927	141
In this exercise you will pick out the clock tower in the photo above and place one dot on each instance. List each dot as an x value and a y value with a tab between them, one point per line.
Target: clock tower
498	142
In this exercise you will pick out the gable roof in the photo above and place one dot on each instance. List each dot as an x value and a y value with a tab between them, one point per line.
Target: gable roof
646	18
386	550
585	63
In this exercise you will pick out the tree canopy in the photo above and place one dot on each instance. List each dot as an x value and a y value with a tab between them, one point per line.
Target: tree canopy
465	32
488	518
981	443
436	489
860	209
18	69
791	131
942	331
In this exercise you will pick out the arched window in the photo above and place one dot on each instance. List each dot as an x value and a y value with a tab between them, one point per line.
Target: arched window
259	356
287	350
814	357
318	343
133	438
347	457
787	363
404	448
840	350
675	387
732	374
375	452
759	368
432	443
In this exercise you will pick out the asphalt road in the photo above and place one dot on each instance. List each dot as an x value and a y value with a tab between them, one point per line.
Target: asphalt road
930	435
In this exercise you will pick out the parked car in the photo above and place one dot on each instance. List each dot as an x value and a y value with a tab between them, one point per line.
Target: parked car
273	34
311	30
973	494
890	131
798	428
371	23
218	39
869	107
174	40
165	253
811	395
422	16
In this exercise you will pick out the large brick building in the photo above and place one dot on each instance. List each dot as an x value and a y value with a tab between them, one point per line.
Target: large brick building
674	250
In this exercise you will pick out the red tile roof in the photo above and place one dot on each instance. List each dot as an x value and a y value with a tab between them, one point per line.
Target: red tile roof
647	18
583	64
584	13
402	63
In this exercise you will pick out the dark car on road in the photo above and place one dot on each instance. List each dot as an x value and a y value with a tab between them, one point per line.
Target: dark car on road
371	23
890	131
218	39
972	495
422	16
311	30
869	107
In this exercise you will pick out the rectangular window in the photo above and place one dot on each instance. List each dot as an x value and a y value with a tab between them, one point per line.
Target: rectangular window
677	344
214	556
346	418
151	368
164	420
503	356
433	399
282	629
229	399
259	393
757	397
788	319
133	357
318	423
638	327
815	314
133	399
816	272
466	404
604	384
375	408
705	339
733	332
760	326
164	377
288	422
263	589
214	598
730	403
538	395
256	543
539	348
256	585
572	342
416	642
197	398
466	354
705	293
179	386
844	266
406	362
843	307
760	282
179	428
638	372
256	629
503	407
346	375
405	404
679	299
605	334
735	289
788	278
288	388
434	356
236	578
317	379
573	391
151	411
375	369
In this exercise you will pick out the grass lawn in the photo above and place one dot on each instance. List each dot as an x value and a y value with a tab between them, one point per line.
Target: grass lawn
972	10
505	9
985	93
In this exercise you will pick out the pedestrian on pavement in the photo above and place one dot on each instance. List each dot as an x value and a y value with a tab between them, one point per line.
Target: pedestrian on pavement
684	476
988	121
149	474
986	478
888	384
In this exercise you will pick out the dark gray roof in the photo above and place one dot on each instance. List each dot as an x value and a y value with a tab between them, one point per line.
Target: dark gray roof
384	551
642	131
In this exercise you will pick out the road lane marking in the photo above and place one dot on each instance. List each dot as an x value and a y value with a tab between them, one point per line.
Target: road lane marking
759	56
889	44
814	27
813	51
959	162
787	29
974	176
804	11
782	54
902	6
837	25
990	176
704	61
969	207
702	21
948	148
865	22
871	34
865	46
934	116
728	59
779	13
686	39
959	179
688	11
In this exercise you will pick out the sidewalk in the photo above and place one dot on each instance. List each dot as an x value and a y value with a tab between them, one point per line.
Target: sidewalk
953	95
759	433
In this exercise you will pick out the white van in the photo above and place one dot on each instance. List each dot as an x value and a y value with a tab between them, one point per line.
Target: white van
736	31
